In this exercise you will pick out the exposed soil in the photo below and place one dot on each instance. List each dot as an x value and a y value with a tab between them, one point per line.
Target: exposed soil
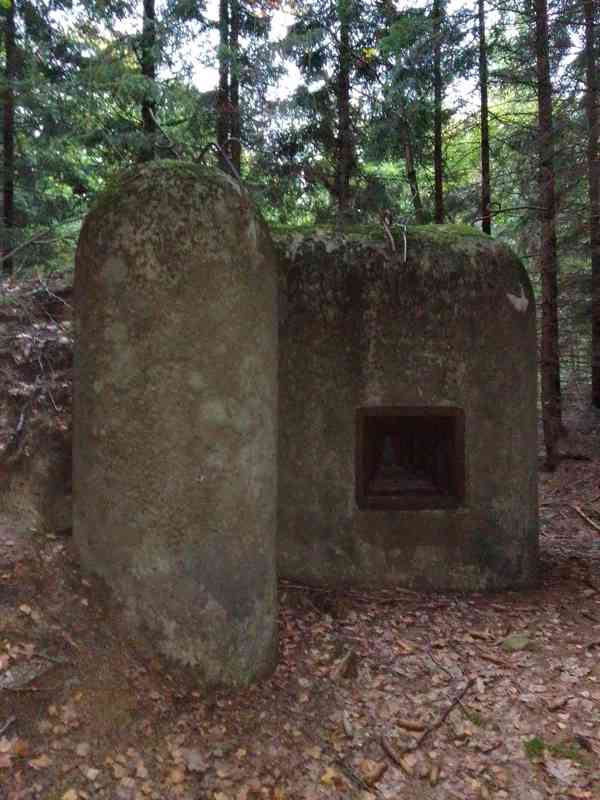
378	694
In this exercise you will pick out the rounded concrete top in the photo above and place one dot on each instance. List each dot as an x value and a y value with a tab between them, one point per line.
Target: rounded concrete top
453	268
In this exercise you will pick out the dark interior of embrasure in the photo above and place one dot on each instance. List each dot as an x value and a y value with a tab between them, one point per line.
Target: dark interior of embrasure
410	458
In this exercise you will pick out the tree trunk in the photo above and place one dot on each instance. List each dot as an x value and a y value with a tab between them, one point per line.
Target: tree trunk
235	128
411	172
592	106
148	64
438	91
548	262
486	191
223	117
8	136
345	149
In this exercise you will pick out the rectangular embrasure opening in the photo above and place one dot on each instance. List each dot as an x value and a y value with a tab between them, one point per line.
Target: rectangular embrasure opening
410	457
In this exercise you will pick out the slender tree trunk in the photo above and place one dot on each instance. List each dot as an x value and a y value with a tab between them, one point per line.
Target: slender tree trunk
235	128
411	172
404	135
438	92
148	64
592	106
223	116
486	190
548	262
8	136
345	148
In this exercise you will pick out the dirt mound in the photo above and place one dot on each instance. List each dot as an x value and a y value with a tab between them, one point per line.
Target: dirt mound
36	358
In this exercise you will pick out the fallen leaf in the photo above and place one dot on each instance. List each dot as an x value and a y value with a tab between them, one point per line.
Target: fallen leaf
20	748
126	789
516	642
92	773
347	724
372	771
330	776
557	704
119	771
408	762
42	762
140	771
434	774
70	794
194	760
563	770
411	724
176	776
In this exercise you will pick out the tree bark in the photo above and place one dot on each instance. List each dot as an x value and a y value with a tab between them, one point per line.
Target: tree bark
223	118
148	64
548	262
8	136
592	107
345	149
438	91
486	190
235	127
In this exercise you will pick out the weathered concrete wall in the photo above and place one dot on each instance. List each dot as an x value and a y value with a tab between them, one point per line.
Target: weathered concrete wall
175	416
454	326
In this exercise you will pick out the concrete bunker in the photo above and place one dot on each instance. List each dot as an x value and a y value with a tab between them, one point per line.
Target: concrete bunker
175	414
407	448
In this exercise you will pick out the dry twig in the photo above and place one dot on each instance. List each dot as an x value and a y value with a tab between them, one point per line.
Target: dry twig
397	757
585	517
6	724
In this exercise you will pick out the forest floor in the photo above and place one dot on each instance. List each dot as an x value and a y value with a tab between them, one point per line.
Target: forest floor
378	694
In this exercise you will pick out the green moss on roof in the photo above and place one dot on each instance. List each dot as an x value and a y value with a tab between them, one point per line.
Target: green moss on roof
375	232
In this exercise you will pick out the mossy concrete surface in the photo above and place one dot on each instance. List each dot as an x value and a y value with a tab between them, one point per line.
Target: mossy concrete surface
453	326
175	416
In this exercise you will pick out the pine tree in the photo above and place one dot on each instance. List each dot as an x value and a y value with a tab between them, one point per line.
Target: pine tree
148	62
548	260
486	191
8	134
438	89
592	106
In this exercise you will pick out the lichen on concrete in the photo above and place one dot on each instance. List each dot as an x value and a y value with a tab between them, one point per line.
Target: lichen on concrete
362	328
175	415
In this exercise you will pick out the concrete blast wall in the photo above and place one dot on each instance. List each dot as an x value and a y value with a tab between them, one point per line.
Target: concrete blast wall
175	416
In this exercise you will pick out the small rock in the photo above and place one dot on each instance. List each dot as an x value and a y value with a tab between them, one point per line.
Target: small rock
194	760
92	773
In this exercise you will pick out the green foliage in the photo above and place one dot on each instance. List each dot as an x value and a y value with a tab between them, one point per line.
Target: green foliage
78	122
534	748
570	749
